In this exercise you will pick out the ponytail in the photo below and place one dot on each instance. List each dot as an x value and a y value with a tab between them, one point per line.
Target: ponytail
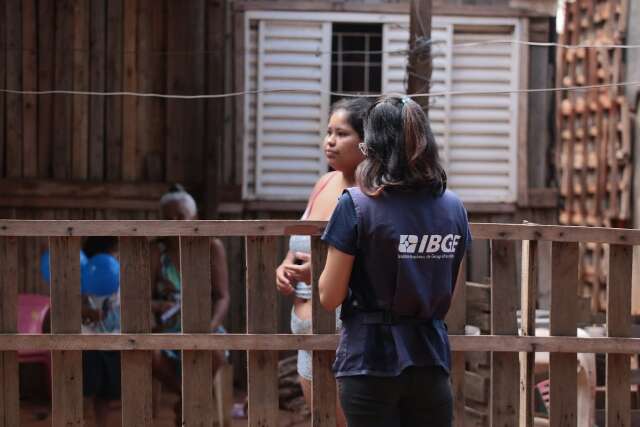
401	149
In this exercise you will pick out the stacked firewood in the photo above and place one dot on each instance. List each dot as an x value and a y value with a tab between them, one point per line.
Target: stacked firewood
594	131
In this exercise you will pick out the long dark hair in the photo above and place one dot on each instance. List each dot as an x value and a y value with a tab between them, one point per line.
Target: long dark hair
356	109
401	149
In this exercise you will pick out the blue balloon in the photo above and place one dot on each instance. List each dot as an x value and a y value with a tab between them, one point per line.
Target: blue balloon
102	276
44	265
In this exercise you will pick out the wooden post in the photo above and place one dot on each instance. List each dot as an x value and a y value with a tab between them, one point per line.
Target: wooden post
197	374
563	366
135	294
504	366
323	407
528	326
456	320
419	65
9	386
130	103
81	75
619	325
215	108
66	366
262	318
29	82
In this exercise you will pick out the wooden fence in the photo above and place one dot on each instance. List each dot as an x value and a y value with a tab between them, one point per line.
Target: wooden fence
511	382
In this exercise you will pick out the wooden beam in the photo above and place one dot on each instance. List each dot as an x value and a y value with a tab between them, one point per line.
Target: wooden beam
13	136
78	189
273	342
562	322
81	75
456	321
221	228
323	388
9	381
528	299
439	8
97	79
214	108
135	294
29	82
62	125
504	303
419	63
618	325
130	103
80	194
262	319
114	82
523	116
46	68
321	6
66	366
83	203
197	373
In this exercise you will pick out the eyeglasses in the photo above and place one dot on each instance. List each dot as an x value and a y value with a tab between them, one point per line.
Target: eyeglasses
363	148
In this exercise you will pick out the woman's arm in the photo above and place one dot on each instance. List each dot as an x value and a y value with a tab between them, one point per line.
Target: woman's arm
220	290
334	280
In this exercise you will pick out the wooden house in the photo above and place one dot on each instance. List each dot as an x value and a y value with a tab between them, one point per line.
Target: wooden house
256	156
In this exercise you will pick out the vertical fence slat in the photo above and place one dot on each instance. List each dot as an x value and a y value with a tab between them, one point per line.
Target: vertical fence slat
619	325
135	295
323	407
197	375
262	318
528	318
65	319
456	320
9	386
504	366
563	321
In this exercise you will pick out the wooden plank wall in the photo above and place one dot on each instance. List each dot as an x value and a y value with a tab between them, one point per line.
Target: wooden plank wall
147	46
100	45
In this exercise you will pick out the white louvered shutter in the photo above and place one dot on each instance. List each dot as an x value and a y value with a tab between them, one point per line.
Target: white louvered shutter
289	127
395	40
476	134
482	128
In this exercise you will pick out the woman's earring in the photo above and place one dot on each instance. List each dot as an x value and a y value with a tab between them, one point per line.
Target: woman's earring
363	148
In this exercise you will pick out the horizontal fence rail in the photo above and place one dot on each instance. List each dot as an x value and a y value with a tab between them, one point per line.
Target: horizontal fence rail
222	228
512	346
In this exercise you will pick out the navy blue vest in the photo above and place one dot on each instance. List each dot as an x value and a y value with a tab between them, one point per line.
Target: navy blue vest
408	252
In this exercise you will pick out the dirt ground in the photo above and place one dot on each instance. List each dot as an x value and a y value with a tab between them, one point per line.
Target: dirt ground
38	414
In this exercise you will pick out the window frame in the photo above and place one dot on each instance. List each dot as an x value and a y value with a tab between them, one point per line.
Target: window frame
521	80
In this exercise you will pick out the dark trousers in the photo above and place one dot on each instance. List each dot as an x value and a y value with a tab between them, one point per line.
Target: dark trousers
418	397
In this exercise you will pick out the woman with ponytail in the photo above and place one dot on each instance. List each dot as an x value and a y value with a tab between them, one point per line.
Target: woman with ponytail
395	246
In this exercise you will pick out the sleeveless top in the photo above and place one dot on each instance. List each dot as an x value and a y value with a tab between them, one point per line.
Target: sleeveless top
297	243
408	247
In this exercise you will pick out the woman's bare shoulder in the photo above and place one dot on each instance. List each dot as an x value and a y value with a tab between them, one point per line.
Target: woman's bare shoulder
324	180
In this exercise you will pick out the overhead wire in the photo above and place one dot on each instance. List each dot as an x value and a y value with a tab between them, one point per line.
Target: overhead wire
312	91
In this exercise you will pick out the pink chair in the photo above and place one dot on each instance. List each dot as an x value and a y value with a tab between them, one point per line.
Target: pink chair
32	312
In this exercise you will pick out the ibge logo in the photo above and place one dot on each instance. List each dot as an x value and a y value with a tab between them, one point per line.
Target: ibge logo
430	245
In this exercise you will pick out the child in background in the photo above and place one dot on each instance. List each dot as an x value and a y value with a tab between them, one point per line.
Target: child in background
101	314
